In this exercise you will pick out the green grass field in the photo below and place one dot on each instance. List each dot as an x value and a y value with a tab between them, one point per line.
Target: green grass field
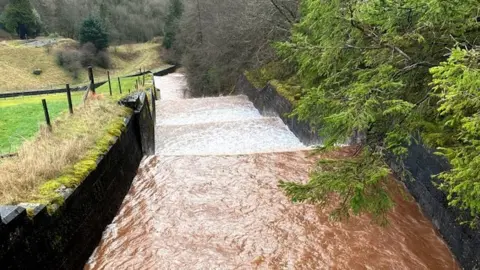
22	117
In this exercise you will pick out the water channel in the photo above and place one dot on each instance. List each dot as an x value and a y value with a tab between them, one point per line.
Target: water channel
209	199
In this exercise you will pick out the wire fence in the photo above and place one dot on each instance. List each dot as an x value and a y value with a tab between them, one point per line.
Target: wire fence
54	104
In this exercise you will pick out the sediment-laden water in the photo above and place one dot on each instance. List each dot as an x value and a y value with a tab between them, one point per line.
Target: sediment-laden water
209	199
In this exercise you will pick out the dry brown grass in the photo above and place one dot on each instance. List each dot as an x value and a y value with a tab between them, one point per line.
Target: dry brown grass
17	61
127	59
62	157
4	35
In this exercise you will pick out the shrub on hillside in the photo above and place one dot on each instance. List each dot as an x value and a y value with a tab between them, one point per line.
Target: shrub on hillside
103	60
71	60
89	52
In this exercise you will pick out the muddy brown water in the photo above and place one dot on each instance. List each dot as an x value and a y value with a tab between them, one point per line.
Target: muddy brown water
213	202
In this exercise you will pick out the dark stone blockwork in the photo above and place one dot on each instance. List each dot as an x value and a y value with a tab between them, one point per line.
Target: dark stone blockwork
421	163
66	239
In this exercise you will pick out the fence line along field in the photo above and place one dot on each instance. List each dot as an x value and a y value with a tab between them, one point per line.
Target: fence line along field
22	117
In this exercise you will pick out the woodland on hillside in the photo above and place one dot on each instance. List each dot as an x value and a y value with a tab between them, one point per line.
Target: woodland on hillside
126	21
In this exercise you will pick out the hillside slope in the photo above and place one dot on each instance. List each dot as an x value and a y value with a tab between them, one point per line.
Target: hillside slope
18	59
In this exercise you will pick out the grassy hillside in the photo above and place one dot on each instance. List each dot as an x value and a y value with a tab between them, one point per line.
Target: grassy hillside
19	59
4	35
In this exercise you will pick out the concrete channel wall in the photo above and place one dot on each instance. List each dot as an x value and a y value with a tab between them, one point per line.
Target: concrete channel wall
66	238
421	163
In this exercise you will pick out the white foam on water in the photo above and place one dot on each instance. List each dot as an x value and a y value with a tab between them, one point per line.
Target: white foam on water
227	138
206	110
172	86
215	126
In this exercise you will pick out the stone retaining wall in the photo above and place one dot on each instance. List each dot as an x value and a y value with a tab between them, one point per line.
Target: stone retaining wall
66	238
421	163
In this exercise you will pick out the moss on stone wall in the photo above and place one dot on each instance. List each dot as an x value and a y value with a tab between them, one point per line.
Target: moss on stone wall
49	191
279	75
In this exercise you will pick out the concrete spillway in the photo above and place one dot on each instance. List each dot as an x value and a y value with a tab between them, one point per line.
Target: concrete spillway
209	199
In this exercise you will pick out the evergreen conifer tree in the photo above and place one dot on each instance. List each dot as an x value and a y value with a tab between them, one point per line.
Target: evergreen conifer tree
175	11
18	17
92	30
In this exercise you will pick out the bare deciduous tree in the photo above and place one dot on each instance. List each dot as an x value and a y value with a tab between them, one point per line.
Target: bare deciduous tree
126	21
219	39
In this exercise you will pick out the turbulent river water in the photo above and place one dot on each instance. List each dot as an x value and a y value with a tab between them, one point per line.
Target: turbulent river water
209	199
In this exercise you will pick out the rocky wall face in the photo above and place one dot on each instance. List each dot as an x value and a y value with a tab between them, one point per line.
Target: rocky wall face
66	238
421	163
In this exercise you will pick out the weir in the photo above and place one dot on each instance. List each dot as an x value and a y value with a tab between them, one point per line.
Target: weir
208	199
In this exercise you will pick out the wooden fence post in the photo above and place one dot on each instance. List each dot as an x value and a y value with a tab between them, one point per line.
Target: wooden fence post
154	88
109	83
47	115
92	79
119	85
153	106
69	97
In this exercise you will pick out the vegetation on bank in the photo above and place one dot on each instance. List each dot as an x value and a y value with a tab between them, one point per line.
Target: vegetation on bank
279	75
397	72
392	71
63	157
218	40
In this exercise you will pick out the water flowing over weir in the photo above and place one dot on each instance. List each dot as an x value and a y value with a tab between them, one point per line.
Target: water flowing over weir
209	199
